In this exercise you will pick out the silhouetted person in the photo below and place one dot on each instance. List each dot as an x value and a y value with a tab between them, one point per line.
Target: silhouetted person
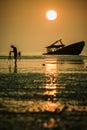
15	53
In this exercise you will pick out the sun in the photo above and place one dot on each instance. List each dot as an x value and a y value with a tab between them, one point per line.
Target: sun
51	14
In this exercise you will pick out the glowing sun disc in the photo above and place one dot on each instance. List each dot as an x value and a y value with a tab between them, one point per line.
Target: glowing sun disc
51	15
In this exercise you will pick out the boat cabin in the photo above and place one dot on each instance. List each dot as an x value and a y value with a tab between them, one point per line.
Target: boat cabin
55	46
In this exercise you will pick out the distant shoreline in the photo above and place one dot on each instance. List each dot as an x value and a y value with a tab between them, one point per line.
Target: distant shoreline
23	57
42	56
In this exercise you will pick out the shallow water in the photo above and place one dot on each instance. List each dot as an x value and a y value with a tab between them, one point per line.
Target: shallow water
46	92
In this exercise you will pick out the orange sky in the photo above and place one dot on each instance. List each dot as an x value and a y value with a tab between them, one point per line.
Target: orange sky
23	24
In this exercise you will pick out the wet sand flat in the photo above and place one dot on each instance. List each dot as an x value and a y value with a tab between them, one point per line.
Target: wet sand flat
43	94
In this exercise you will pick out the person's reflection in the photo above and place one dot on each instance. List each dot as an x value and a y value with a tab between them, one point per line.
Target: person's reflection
15	68
12	69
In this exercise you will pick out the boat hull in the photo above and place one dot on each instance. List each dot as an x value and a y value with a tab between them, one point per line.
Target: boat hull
73	49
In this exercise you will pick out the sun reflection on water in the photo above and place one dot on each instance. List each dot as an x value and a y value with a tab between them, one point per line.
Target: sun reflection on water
51	71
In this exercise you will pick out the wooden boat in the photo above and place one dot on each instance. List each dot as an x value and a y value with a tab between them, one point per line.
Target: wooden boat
58	48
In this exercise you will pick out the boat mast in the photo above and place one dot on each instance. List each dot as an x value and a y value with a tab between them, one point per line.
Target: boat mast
61	42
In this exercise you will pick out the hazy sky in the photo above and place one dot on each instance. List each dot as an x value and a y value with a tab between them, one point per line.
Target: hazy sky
23	24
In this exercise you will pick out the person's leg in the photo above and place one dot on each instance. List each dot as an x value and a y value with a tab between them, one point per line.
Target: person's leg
15	58
15	61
